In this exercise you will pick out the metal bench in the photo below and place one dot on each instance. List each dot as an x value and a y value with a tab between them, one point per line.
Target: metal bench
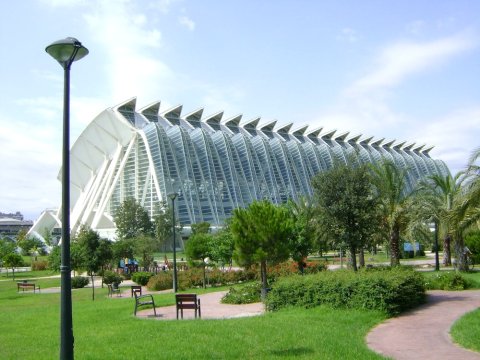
113	290
144	300
188	301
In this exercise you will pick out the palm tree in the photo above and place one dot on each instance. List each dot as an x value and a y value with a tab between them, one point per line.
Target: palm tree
436	197
466	212
390	182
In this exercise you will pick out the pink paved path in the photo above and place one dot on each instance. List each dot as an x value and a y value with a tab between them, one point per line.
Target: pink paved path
424	332
211	309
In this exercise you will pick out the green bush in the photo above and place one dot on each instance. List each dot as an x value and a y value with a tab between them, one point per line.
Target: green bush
111	277
39	265
161	281
447	280
391	291
141	277
79	282
472	241
245	294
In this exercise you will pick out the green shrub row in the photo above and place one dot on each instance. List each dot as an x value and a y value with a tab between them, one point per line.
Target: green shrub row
194	278
389	290
141	277
446	280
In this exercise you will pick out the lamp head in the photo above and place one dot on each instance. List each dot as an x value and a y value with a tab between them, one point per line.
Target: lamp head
66	51
173	196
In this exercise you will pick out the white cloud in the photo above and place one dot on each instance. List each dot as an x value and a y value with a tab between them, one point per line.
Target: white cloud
398	61
132	48
454	135
415	27
188	23
348	34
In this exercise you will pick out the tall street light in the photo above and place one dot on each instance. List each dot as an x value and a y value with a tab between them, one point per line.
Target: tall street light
173	196
66	51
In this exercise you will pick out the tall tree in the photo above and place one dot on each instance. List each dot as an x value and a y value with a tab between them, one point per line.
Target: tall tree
132	219
435	199
197	248
12	261
302	242
144	247
95	252
201	228
163	226
390	182
262	233
348	209
222	246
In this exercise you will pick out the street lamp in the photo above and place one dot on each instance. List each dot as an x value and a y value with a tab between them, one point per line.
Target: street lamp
173	196
66	51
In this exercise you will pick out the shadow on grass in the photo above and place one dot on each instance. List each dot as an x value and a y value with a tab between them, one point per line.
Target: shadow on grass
293	352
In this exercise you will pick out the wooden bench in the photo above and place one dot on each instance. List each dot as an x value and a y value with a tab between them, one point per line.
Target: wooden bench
28	286
136	290
144	300
113	290
188	301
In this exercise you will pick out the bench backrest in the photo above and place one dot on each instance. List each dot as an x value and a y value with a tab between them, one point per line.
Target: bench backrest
186	298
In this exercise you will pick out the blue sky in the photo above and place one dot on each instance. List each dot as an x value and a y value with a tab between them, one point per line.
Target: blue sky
404	70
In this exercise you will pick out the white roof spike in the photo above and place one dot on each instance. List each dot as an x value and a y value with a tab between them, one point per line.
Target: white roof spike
268	126
151	109
233	121
419	148
342	137
355	138
284	128
389	144
399	145
313	134
300	131
175	112
251	123
378	142
195	115
128	105
328	135
366	141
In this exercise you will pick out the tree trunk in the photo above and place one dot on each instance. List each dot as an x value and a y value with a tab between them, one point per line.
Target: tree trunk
93	287
263	275
204	276
447	254
301	267
361	257
395	246
353	257
460	255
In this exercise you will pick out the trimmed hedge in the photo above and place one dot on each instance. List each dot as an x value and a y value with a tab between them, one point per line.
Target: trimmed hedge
141	277
79	282
389	290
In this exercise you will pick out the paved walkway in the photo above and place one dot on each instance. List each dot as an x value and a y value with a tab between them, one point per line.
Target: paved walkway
211	309
423	333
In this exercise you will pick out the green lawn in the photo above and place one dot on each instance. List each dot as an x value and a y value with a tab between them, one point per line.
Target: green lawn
466	331
106	329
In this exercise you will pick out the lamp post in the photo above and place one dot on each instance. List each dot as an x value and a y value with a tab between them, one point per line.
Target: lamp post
66	51
173	196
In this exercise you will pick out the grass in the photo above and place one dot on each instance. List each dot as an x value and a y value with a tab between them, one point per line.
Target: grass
106	329
466	331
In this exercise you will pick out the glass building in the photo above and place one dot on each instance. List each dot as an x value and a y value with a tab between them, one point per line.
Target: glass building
214	164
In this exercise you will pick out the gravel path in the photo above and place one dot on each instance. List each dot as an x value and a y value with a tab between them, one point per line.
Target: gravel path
211	309
423	333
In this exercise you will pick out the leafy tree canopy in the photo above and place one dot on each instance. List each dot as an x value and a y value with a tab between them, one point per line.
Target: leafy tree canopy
132	219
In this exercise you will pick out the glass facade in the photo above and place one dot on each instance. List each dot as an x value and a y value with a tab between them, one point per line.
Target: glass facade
214	165
217	166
